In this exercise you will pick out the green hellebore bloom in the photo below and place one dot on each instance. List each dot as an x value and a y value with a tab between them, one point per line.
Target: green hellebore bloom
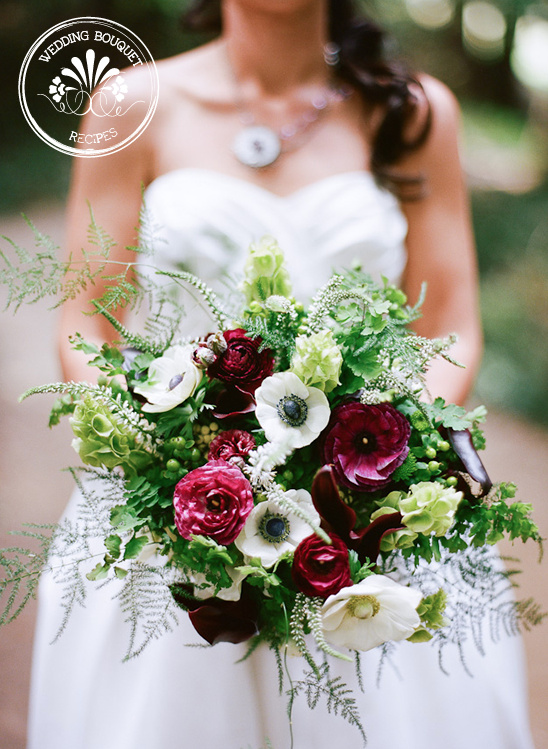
102	441
265	273
430	507
317	360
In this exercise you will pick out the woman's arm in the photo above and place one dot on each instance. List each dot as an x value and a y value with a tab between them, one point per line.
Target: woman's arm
441	249
111	186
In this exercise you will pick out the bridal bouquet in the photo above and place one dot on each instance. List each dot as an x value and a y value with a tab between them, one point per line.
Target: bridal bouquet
283	479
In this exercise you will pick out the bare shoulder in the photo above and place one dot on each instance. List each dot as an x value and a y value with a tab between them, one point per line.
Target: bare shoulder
440	147
193	76
442	101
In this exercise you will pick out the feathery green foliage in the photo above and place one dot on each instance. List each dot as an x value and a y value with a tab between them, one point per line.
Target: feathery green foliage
21	569
339	699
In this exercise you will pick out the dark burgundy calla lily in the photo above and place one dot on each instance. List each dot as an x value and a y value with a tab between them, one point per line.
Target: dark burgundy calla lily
461	442
368	541
341	519
233	402
219	621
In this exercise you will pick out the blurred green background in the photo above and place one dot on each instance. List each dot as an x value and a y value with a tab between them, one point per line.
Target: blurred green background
494	56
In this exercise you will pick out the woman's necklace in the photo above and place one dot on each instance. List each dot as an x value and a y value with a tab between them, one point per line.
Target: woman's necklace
258	145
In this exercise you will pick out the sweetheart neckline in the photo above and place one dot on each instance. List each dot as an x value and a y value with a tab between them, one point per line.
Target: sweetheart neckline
315	184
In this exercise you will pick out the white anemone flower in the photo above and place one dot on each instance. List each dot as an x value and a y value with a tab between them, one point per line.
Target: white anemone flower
289	411
203	589
171	379
374	611
271	531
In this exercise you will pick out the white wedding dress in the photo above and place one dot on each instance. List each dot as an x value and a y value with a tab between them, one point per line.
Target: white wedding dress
178	697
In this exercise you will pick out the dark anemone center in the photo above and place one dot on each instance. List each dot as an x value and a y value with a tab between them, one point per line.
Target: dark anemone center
292	410
365	443
175	380
274	528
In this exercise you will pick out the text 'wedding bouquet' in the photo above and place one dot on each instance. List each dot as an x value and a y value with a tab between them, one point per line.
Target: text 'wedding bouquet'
282	479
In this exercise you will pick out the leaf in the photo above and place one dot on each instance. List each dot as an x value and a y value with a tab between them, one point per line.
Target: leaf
366	364
450	415
63	406
99	572
143	361
79	344
113	544
420	635
123	520
135	546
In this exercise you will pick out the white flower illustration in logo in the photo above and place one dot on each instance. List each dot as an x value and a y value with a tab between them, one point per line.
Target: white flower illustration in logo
88	74
58	89
118	88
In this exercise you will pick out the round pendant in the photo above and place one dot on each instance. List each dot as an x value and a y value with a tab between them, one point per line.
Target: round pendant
256	146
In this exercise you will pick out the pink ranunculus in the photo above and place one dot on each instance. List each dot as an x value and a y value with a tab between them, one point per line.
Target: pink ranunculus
242	364
320	569
365	444
233	446
214	501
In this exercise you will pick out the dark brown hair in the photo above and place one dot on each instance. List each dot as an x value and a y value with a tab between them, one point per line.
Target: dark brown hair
380	78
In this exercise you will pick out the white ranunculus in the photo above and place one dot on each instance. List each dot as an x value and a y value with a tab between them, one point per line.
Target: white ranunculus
373	611
271	531
289	411
171	379
203	589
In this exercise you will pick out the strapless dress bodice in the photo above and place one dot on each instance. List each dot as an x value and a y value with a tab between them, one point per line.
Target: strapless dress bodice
206	221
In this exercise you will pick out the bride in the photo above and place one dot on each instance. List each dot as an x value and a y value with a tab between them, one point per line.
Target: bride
358	161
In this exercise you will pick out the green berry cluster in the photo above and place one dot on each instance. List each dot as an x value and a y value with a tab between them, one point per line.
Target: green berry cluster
181	456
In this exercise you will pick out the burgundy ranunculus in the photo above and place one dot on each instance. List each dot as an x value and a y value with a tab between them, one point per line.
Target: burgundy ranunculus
366	444
242	364
213	501
232	446
320	569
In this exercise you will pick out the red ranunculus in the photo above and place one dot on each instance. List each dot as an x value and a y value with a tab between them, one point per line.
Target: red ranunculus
242	364
232	446
365	444
320	569
213	501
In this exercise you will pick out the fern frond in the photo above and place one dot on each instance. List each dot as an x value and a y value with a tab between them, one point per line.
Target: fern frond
277	332
119	293
339	697
133	339
148	229
98	237
150	608
529	613
21	569
209	296
32	277
479	604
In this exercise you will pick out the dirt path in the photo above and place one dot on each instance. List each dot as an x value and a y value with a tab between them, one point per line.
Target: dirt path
32	486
